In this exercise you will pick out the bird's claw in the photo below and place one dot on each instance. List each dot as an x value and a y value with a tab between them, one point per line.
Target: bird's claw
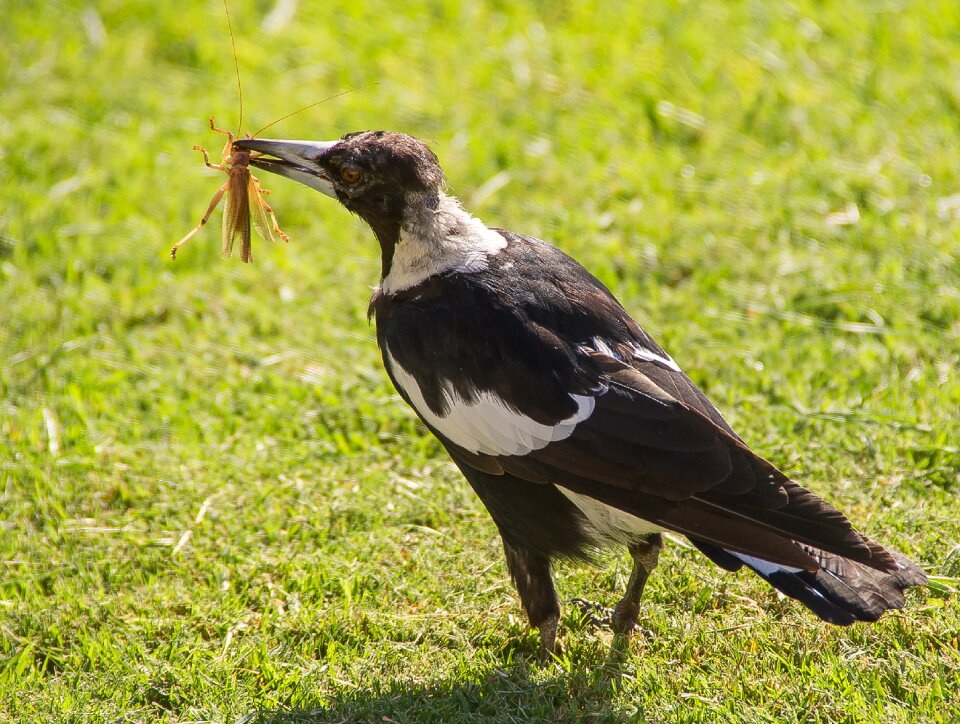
594	614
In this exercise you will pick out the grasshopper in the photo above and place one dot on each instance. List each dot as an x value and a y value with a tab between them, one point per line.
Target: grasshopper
242	190
244	199
245	196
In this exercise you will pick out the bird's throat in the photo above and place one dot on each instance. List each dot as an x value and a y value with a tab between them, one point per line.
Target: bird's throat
387	232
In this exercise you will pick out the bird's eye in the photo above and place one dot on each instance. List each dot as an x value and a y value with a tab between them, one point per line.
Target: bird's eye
350	174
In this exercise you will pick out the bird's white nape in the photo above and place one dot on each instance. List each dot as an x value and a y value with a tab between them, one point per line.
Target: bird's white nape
487	425
436	240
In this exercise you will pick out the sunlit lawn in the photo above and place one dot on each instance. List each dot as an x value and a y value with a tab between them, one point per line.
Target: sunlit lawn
214	505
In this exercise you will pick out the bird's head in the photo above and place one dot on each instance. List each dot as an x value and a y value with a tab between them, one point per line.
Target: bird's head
381	176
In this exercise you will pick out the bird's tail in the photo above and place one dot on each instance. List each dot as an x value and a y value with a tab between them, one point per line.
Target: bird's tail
841	592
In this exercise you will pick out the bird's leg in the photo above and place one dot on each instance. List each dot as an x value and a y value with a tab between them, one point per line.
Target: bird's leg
531	575
645	555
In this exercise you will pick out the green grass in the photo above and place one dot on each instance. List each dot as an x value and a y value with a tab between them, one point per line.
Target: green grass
212	503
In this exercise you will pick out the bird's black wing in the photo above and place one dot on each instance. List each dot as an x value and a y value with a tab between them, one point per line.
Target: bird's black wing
592	404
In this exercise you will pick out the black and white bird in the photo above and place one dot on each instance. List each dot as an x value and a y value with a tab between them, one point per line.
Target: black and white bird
572	425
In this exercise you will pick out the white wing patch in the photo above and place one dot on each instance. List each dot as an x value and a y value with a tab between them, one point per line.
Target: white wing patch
664	359
761	566
487	425
639	352
611	524
603	348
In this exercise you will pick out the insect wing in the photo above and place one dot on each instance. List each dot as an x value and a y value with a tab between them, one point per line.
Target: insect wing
236	217
257	211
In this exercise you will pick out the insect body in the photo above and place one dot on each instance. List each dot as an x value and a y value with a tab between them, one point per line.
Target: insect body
244	195
244	201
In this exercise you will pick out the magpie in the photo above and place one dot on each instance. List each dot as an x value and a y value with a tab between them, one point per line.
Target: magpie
574	427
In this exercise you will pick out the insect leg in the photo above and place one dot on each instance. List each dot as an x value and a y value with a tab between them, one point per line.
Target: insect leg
266	207
213	127
206	217
206	159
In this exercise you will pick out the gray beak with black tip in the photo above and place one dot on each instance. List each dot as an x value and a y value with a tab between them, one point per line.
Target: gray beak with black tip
297	160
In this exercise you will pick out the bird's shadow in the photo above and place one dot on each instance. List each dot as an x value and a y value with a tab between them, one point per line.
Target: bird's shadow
523	690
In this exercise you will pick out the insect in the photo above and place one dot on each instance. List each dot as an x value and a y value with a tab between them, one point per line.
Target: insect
244	199
244	195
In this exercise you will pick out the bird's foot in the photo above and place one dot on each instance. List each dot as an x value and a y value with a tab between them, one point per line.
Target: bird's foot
624	621
594	614
624	618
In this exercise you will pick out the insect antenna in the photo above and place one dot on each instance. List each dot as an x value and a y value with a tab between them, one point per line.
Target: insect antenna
236	67
311	105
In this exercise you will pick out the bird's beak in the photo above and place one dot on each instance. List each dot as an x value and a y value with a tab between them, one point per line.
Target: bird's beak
294	159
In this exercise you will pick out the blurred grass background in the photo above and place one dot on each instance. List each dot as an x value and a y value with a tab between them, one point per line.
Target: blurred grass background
213	505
